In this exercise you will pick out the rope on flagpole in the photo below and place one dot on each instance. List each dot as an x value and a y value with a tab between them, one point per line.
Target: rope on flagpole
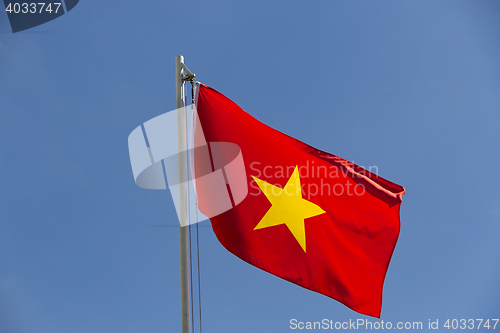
186	138
197	228
190	77
191	279
199	275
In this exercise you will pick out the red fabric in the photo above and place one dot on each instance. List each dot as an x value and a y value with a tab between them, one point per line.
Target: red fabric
348	247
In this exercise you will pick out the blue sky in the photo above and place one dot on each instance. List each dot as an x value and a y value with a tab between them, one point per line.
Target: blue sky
412	87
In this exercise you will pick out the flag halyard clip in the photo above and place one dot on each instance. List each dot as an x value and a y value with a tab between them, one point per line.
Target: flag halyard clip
188	76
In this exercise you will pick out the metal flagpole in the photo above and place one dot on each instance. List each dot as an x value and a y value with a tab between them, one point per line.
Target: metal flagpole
180	79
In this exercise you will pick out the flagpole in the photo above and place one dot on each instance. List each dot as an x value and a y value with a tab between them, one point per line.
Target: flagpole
182	165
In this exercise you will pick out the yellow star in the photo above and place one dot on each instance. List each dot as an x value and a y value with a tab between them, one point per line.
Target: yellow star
288	207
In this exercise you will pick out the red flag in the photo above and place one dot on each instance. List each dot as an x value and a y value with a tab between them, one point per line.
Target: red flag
309	217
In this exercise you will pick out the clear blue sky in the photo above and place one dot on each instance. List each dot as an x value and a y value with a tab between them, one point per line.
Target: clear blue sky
412	87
